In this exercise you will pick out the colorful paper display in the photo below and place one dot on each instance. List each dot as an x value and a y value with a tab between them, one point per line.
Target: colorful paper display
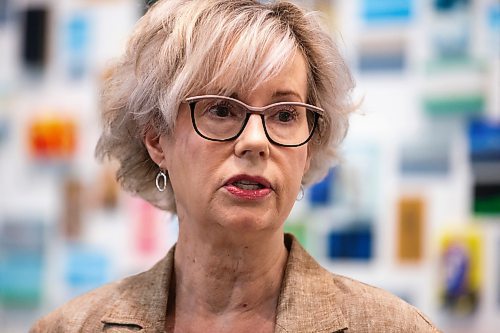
451	28
21	263
455	104
461	272
71	221
52	136
3	11
493	19
427	155
455	87
86	268
381	55
387	11
484	153
410	229
321	194
486	199
484	140
77	45
35	37
351	243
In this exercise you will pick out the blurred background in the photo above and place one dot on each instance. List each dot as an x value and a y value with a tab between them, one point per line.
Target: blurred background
413	207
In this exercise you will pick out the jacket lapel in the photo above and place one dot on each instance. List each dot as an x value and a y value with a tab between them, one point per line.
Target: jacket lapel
142	304
308	300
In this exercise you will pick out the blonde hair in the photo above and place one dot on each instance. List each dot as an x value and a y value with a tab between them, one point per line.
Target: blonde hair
182	48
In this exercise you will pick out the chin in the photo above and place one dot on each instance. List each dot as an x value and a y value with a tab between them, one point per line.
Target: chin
247	221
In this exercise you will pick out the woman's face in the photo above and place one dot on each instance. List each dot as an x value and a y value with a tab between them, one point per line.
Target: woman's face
245	184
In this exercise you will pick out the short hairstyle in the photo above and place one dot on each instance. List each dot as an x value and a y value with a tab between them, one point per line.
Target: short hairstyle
182	48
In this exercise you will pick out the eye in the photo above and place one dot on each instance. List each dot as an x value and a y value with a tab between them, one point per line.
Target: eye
220	110
285	114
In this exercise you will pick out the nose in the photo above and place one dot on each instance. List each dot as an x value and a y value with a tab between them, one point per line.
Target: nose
253	141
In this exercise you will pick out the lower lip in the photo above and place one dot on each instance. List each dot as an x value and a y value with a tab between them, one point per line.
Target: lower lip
248	194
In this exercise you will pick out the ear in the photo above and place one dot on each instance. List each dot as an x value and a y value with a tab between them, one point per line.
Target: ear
155	150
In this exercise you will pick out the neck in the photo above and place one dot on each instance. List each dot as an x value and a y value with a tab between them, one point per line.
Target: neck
221	275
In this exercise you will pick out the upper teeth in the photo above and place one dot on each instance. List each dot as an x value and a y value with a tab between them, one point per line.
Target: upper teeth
247	182
248	185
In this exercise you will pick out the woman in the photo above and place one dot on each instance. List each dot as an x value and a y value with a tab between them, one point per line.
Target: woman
220	111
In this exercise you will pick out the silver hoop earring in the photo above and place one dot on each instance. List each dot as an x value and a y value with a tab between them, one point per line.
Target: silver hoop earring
161	181
301	193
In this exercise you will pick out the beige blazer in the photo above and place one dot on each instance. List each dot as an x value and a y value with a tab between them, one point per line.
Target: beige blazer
311	300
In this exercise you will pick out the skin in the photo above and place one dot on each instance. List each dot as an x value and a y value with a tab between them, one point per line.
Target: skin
230	255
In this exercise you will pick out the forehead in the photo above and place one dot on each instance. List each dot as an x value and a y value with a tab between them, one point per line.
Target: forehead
290	83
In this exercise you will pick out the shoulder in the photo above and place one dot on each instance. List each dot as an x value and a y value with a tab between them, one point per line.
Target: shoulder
83	313
310	288
370	309
135	301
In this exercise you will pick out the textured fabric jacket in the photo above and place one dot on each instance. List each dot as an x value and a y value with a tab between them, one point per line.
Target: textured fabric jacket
311	300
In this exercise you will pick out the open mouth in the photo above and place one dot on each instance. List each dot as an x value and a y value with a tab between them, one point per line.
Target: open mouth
248	187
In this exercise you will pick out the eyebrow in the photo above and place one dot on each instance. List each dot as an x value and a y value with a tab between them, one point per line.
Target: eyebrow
276	94
286	93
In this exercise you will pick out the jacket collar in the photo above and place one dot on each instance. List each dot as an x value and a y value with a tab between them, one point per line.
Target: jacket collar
308	299
142	299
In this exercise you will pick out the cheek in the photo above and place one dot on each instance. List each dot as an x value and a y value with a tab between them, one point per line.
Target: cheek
294	165
179	158
194	162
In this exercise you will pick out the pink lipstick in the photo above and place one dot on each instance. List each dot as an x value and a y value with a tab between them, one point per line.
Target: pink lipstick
248	187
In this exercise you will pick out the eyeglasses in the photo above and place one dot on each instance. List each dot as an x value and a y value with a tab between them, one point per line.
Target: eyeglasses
220	118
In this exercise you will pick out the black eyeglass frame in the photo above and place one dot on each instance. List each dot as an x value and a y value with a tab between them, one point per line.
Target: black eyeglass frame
191	101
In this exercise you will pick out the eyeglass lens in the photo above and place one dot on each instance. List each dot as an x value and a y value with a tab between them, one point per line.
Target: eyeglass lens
223	119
